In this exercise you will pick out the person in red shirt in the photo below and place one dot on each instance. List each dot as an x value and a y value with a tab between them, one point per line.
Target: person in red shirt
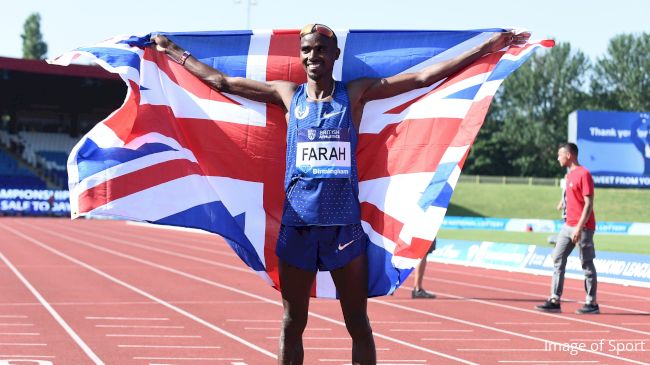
578	230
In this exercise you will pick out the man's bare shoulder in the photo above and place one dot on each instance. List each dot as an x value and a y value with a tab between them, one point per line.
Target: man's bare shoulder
284	86
357	87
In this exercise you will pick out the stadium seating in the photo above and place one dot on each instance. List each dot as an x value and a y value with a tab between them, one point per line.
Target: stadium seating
14	176
48	151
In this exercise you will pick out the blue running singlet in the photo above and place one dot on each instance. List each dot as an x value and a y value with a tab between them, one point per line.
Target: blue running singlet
321	182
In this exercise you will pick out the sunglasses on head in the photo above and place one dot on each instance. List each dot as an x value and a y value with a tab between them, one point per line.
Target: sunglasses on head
320	28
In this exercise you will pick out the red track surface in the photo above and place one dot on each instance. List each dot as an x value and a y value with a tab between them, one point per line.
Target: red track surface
104	292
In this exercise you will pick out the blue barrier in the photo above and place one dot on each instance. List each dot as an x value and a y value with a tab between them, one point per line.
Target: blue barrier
538	225
34	202
614	267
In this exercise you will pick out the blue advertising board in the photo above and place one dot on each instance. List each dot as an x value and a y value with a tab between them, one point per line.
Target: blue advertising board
539	225
612	267
34	202
613	146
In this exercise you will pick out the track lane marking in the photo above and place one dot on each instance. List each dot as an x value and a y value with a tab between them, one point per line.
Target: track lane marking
213	263
170	346
514	334
473	300
213	283
149	335
135	326
519	292
544	285
127	318
141	292
57	317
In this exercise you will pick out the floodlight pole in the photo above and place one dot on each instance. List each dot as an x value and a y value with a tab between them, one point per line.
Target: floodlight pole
249	3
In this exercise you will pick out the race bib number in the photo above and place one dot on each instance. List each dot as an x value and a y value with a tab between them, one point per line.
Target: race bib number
324	153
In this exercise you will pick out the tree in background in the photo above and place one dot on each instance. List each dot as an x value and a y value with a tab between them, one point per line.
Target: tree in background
621	79
528	117
33	45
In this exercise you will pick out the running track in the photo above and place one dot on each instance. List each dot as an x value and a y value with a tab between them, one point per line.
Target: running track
107	292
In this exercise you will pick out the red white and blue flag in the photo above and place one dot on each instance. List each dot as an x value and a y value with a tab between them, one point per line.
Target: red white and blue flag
179	153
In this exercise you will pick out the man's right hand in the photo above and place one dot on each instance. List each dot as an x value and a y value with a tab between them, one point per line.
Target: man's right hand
162	43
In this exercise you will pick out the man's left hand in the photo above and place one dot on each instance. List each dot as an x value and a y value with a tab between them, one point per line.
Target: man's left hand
575	237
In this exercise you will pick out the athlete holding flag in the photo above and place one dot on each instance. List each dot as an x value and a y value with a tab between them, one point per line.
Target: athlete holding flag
321	218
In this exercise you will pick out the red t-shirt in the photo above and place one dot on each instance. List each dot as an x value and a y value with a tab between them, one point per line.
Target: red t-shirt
579	184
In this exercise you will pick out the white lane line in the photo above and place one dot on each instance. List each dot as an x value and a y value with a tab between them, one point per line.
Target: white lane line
336	360
19	334
382	362
149	335
425	330
21	344
95	359
312	338
16	324
254	320
341	348
169	347
535	295
490	328
92	304
12	316
577	288
570	331
134	326
128	318
405	322
519	309
465	339
549	362
609	339
277	328
235	290
188	358
534	323
160	250
140	291
504	350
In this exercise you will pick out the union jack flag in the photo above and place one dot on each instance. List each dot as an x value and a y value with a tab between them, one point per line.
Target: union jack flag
179	153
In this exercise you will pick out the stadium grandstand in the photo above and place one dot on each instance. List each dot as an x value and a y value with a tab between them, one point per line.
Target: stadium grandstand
44	110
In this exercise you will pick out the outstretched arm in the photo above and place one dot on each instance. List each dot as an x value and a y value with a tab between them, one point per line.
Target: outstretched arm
274	92
371	89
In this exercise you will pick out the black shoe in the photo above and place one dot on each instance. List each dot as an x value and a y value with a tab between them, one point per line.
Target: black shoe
422	294
589	308
551	305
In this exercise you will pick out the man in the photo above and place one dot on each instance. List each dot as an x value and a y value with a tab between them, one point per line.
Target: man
321	218
418	275
578	230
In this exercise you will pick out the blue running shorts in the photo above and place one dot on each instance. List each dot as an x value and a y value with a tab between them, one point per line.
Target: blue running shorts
320	248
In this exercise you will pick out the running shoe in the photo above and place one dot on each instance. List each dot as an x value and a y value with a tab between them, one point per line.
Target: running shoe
589	308
552	305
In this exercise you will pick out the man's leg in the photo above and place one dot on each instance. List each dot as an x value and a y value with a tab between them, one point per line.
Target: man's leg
419	292
587	256
419	273
562	250
295	285
352	285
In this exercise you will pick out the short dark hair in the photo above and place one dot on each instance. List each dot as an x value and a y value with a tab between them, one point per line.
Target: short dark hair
570	147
